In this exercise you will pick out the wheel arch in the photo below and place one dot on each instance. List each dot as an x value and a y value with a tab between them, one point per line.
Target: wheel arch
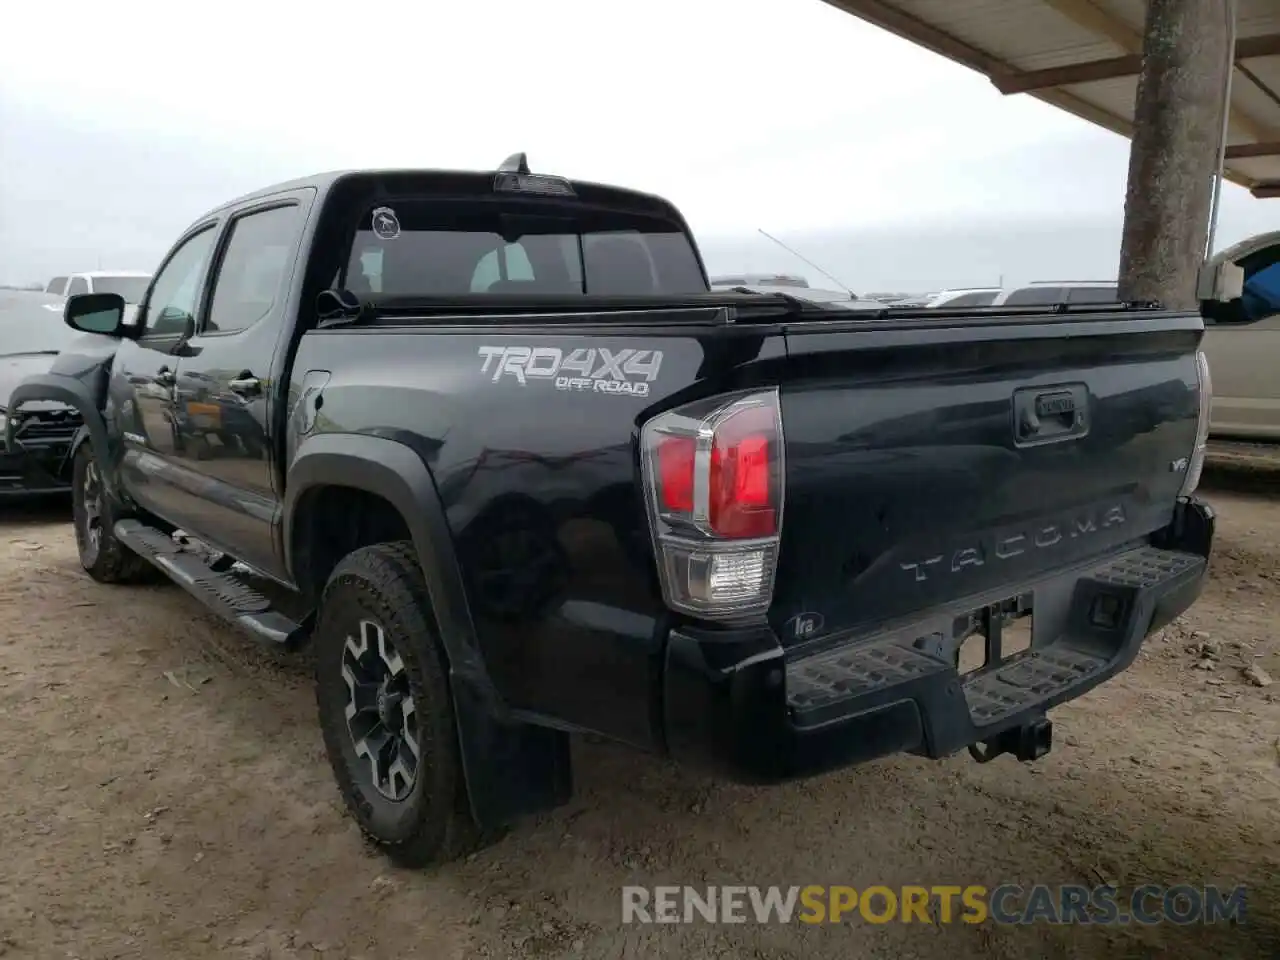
489	739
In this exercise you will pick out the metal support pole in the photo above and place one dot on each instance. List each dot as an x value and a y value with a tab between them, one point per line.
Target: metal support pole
1228	75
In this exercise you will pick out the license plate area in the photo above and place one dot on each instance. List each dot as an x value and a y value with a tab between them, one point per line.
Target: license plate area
994	634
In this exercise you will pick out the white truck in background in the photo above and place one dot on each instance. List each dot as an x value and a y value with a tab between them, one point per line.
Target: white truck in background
129	284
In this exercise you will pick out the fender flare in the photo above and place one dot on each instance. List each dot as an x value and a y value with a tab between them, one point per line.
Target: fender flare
74	393
489	737
396	473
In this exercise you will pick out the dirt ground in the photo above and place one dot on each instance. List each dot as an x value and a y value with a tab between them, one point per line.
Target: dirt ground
165	794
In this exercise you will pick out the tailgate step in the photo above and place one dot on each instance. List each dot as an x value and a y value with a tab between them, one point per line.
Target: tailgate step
227	596
1028	680
1083	650
1146	567
818	682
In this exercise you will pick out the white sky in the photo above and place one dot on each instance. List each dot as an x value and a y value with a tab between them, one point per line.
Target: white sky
121	122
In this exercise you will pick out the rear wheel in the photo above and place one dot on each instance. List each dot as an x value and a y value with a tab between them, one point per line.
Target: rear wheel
385	710
105	558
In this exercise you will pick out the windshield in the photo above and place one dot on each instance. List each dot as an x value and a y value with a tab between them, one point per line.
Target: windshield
131	288
428	249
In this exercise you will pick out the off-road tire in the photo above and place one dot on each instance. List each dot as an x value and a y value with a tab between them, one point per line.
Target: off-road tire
105	559
433	824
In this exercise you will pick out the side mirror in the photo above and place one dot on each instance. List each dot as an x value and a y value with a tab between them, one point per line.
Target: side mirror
101	313
1220	281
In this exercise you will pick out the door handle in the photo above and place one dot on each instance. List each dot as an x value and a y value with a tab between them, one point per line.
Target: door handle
165	377
246	386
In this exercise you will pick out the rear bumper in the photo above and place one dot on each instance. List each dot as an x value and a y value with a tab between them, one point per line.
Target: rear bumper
737	704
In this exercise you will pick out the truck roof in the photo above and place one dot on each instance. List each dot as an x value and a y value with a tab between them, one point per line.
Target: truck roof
322	183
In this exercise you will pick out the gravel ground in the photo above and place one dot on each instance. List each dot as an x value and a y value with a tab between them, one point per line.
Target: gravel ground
166	795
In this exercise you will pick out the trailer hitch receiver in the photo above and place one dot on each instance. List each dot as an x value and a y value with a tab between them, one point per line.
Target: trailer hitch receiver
1027	742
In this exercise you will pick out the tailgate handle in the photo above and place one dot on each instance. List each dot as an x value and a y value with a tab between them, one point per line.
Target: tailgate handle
1050	416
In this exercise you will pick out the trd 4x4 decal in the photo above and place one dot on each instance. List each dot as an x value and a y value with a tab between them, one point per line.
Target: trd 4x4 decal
584	369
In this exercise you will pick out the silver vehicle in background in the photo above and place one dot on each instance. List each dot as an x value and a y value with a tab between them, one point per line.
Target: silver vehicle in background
837	298
758	280
965	297
1242	342
1044	292
129	284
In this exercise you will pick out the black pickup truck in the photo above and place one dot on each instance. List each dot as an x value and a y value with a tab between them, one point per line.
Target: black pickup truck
516	472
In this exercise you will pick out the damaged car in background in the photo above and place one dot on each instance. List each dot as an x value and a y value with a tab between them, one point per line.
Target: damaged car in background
34	457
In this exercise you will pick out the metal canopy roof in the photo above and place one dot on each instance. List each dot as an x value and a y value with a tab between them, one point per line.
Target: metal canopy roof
1085	55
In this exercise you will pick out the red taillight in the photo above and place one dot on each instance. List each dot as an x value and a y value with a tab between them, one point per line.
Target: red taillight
740	504
713	473
675	472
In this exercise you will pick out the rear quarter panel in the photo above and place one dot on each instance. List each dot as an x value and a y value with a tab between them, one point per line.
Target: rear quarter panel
538	478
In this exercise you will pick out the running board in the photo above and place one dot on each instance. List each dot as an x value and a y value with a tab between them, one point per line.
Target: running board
224	594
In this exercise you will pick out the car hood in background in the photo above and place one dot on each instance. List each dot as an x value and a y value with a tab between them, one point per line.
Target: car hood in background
17	367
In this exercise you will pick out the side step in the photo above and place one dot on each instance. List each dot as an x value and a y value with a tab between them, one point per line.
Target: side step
228	597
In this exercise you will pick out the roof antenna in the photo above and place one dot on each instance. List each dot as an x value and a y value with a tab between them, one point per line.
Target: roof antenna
810	263
516	163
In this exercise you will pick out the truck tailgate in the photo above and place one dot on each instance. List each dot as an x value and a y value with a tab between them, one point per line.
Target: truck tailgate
943	462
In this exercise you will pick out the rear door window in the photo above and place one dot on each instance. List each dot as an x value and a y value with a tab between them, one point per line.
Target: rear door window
458	248
252	268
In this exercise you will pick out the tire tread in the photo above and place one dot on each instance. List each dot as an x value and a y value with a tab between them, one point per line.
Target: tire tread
391	578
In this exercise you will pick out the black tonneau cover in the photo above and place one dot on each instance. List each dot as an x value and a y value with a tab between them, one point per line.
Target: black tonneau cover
720	306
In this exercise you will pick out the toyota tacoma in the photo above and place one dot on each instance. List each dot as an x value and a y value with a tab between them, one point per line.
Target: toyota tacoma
489	444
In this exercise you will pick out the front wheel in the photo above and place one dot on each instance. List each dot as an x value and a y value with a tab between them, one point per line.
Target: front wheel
105	558
385	709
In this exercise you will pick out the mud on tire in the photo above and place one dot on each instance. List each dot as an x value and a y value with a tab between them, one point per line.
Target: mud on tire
375	653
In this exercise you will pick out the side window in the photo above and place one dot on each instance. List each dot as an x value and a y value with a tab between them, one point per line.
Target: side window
78	285
176	291
511	260
252	269
57	285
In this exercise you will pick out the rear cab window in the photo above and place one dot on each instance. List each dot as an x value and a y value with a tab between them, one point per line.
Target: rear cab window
500	244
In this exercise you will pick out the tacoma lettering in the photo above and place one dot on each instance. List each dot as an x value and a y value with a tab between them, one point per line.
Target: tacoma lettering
1017	544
